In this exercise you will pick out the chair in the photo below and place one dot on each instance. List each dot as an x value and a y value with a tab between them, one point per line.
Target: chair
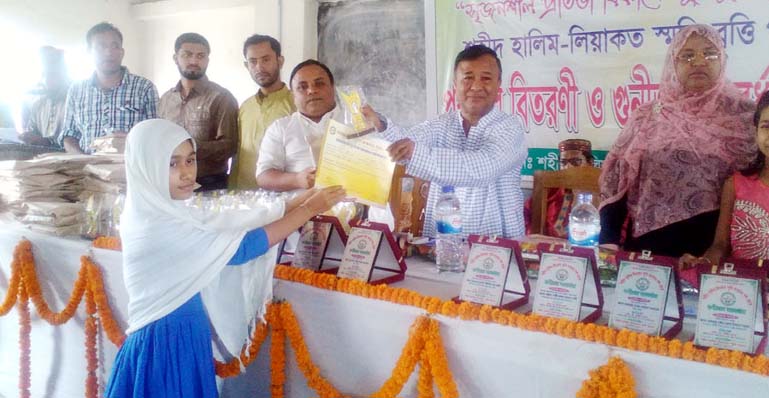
584	178
415	221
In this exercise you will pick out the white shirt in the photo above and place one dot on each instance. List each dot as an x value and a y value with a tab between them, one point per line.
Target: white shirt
292	143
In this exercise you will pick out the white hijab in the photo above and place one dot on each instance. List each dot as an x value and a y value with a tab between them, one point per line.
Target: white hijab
172	251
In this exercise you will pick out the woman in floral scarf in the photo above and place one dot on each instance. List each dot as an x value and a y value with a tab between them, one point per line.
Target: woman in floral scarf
666	169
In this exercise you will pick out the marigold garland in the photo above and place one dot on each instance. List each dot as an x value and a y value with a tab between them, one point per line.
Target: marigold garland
424	344
613	380
277	357
96	286
425	381
25	327
408	359
91	382
672	348
311	372
439	364
13	286
32	286
108	242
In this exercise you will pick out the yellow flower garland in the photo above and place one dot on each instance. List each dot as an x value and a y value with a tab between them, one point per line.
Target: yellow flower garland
613	380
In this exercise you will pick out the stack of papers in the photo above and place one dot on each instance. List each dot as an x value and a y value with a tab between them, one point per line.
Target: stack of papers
40	192
57	218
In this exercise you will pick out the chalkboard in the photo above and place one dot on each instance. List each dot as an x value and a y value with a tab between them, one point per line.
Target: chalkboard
380	46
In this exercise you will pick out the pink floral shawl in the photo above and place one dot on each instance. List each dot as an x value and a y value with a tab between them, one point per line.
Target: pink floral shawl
675	153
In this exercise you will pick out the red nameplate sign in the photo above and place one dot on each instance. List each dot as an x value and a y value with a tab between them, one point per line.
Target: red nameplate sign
568	285
320	245
732	308
372	254
647	297
495	273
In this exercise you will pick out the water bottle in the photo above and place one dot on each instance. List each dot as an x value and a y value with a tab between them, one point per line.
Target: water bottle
449	250
584	221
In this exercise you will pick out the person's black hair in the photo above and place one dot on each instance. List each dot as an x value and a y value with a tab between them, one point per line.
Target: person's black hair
474	52
758	164
191	37
308	63
258	39
102	27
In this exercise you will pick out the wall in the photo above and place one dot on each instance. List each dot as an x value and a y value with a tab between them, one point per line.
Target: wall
25	25
226	24
149	30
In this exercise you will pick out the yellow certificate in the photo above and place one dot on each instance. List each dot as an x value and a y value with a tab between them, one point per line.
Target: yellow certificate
361	165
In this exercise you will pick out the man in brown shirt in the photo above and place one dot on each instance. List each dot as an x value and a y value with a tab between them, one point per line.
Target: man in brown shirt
205	109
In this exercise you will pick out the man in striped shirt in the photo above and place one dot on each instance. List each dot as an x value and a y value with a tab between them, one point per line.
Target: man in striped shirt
478	150
112	101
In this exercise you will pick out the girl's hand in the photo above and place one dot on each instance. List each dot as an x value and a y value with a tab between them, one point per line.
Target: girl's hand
299	199
324	199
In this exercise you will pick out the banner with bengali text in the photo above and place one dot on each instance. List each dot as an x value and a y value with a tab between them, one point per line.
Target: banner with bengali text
578	68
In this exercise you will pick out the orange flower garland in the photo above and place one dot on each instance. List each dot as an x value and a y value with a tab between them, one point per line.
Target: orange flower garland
673	348
277	357
96	286
31	284
406	362
247	354
319	384
613	380
425	381
108	242
431	356
13	286
25	327
439	364
91	383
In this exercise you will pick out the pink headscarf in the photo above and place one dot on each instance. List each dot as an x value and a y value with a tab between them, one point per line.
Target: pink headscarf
675	153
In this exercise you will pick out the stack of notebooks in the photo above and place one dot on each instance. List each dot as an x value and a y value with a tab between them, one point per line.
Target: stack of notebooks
42	192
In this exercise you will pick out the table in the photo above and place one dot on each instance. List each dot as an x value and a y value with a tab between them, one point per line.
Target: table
355	341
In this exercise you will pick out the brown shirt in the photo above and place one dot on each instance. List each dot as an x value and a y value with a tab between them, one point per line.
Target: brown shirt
210	115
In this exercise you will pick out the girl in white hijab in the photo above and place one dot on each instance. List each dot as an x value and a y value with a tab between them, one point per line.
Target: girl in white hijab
175	268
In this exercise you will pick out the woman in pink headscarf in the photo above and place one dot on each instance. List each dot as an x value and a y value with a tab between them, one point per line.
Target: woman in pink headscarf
667	167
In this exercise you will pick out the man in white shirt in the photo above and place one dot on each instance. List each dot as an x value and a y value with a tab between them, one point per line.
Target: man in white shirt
289	152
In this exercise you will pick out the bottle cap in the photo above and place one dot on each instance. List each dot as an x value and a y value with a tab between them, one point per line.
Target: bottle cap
584	196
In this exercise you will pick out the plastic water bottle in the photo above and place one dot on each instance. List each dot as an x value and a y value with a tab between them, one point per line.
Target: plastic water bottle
449	250
584	221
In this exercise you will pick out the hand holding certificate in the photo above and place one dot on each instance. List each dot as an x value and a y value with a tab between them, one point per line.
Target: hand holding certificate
361	165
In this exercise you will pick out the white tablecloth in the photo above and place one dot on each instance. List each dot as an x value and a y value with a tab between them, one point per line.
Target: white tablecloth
354	341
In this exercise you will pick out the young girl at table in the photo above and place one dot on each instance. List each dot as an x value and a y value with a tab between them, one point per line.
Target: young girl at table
743	224
175	259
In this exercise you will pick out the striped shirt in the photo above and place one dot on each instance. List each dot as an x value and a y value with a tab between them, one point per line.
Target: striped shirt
93	112
484	167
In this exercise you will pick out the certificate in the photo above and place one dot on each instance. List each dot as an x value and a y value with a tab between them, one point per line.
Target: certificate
361	165
360	254
312	245
727	311
560	286
640	297
486	273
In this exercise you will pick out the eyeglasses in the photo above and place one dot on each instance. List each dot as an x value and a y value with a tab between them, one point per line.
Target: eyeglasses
690	56
574	162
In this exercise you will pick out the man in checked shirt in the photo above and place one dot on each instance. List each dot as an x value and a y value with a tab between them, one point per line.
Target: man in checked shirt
479	150
111	101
